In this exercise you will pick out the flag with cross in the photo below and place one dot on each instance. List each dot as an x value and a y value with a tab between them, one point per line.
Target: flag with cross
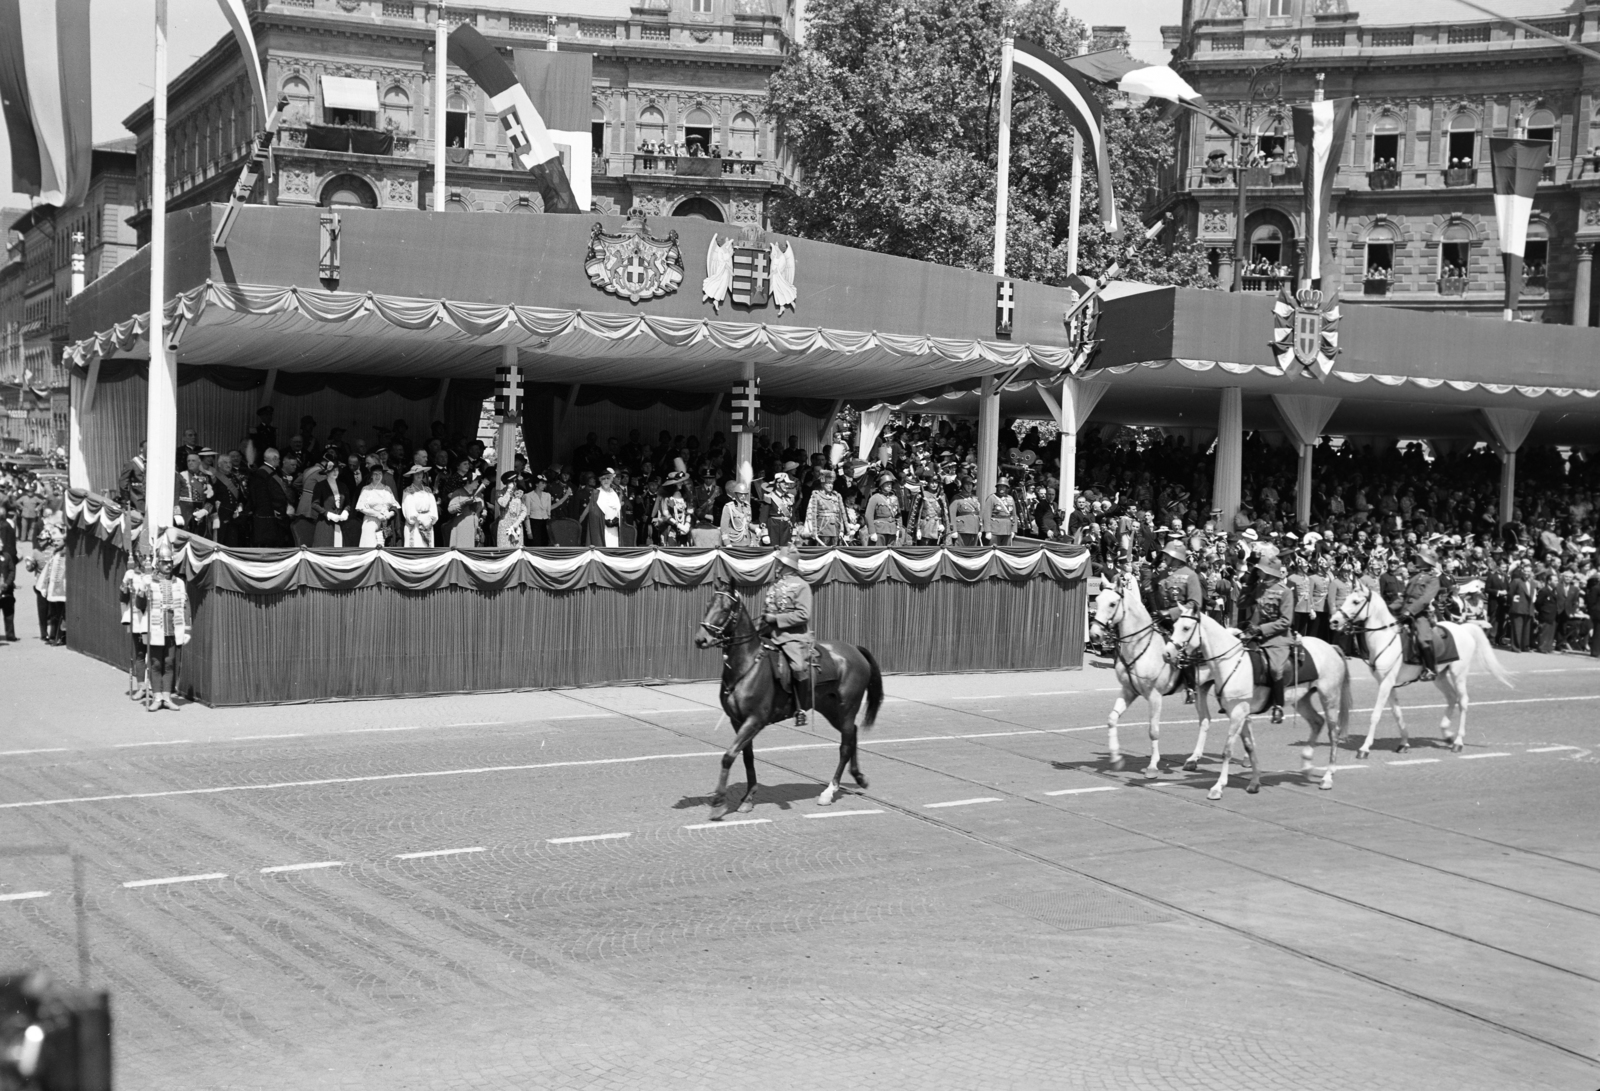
1005	308
508	393
746	404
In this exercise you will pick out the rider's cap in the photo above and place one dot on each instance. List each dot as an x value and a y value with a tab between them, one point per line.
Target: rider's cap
1270	566
789	555
1175	550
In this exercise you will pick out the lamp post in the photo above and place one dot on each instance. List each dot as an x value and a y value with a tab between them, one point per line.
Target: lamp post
1266	81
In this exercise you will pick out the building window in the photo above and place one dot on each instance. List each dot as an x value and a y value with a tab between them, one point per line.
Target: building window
1280	9
298	92
1542	127
742	144
1463	143
652	127
348	191
456	114
1381	242
1266	251
397	109
1386	143
1455	253
697	133
700	7
1536	255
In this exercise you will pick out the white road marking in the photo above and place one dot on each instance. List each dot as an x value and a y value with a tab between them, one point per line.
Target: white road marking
1492	754
704	826
964	802
587	837
24	895
835	814
301	867
1415	761
1348	768
256	738
170	879
42	750
153	742
1552	749
436	852
1084	791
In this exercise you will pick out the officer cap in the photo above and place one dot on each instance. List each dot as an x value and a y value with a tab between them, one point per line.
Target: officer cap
1426	555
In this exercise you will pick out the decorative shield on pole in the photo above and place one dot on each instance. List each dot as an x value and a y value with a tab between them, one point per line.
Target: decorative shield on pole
1305	331
1308	328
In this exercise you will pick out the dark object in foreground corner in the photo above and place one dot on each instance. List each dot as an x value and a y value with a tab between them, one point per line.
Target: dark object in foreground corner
53	1038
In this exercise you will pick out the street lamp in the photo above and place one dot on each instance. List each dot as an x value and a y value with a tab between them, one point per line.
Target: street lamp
1266	81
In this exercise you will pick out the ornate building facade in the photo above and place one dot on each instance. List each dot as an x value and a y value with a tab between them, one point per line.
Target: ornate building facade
676	72
1413	215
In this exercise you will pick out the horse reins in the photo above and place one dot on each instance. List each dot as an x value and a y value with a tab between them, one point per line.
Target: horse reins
722	638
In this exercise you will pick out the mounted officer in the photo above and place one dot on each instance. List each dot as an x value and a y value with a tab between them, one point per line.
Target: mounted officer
1416	602
1179	588
1271	622
786	621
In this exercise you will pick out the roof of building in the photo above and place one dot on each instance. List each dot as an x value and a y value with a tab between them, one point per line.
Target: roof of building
1448	11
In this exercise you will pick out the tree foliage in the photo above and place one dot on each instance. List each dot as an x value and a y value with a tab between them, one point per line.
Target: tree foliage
891	110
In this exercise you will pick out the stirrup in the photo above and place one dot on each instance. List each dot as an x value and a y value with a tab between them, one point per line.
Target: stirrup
799	717
1188	695
1277	714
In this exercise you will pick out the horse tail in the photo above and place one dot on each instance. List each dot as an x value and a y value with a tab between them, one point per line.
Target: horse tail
1483	651
874	689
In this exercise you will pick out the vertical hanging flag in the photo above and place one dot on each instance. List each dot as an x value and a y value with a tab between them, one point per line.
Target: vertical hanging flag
531	145
1517	166
746	404
1319	132
239	20
1005	308
1074	92
44	92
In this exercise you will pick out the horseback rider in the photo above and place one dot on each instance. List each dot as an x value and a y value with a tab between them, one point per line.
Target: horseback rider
1179	591
1271	622
1421	589
786	621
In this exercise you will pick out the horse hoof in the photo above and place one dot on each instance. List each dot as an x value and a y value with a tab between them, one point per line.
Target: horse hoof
1402	748
1363	753
1457	747
1214	794
1152	771
748	803
829	794
1117	762
861	781
1253	789
1327	782
1191	766
718	810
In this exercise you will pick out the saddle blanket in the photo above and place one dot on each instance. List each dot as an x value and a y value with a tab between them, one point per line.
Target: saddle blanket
1444	646
1302	670
825	666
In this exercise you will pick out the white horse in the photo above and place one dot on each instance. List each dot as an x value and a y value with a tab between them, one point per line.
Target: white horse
1225	665
1365	612
1138	652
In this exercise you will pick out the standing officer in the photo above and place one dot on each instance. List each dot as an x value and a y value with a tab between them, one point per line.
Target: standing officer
786	619
1178	590
1271	621
1421	589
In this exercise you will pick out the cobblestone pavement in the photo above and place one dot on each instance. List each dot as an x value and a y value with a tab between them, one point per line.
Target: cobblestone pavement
522	891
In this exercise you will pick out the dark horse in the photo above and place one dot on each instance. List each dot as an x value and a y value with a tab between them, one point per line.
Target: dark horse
753	699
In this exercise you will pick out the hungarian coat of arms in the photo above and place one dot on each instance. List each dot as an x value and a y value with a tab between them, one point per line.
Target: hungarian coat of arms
633	263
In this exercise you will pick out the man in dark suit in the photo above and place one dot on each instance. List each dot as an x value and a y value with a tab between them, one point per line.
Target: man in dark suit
1591	603
270	504
130	482
1547	605
265	434
1521	599
8	569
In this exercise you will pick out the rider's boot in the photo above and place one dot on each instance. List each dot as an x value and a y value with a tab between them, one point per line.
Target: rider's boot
1275	698
800	689
1188	685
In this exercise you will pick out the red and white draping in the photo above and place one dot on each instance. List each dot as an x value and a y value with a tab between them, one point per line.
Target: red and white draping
1462	385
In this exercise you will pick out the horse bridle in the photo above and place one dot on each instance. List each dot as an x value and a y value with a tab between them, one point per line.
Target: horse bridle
720	636
1189	650
1360	614
1117	638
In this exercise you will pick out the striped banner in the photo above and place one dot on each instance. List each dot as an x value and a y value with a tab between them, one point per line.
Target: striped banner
1319	132
44	91
1517	166
1073	92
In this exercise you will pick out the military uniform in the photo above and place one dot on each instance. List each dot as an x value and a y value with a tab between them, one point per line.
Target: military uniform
1180	587
1421	589
825	520
1271	622
788	601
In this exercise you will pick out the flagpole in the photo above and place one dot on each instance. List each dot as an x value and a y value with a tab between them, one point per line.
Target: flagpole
441	96
161	403
1313	234
1075	209
989	396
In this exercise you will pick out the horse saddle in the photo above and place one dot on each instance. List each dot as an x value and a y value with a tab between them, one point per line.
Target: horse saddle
1444	646
822	669
1301	670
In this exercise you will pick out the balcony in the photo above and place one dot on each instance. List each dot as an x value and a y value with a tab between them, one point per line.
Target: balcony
700	166
346	138
1276	174
1252	283
1461	176
1376	286
1452	285
1383	179
1538	282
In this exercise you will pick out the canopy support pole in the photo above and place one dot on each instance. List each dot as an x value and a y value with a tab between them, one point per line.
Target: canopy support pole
745	441
572	400
988	436
161	405
711	413
1228	476
441	98
989	396
1510	428
1508	484
828	424
505	440
78	410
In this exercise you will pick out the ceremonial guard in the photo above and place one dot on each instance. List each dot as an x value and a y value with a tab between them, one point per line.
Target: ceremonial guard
882	515
1000	514
780	507
1179	590
135	599
130	482
929	517
1271	622
735	529
166	603
825	518
786	620
1416	603
966	518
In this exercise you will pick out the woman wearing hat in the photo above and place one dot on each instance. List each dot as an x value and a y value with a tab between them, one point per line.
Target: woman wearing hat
166	603
882	514
331	499
376	505
670	519
602	517
539	504
419	508
135	599
508	531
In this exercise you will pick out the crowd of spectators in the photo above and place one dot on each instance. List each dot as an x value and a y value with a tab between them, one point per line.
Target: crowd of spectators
33	539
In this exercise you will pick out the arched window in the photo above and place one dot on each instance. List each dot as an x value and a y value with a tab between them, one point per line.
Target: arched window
298	92
652	126
1381	243
1463	144
743	140
456	114
397	109
1542	127
697	133
1386	143
1266	245
1536	253
348	191
698	208
1455	252
597	131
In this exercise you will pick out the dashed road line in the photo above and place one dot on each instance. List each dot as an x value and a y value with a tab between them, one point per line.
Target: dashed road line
24	895
1491	754
41	750
152	742
258	738
1552	749
1084	791
436	852
964	802
587	837
1415	761
280	868
705	826
171	879
838	814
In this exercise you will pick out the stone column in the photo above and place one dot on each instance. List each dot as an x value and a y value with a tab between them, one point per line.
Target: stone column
1227	479
1304	416
1584	284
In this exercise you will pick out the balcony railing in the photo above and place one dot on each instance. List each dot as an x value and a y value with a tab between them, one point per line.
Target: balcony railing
699	166
1254	283
1383	179
1279	175
1461	176
1376	286
1452	285
1537	282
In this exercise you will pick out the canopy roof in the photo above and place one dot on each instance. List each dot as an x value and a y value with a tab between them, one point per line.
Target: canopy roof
438	294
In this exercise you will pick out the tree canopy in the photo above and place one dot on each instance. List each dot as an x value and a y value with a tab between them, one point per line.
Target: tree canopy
891	110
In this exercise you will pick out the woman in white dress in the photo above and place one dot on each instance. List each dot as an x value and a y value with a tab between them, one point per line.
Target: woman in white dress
377	506
603	518
513	511
420	509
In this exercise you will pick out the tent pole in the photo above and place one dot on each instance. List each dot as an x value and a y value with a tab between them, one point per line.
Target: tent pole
441	97
1227	476
505	442
745	441
161	405
989	397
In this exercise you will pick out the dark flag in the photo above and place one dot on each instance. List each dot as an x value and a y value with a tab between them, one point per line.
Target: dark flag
1319	131
525	130
1073	92
1517	166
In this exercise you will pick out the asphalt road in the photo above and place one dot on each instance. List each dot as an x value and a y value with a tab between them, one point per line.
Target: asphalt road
522	891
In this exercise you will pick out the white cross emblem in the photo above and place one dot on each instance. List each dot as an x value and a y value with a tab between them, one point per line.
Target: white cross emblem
513	127
633	273
1005	305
